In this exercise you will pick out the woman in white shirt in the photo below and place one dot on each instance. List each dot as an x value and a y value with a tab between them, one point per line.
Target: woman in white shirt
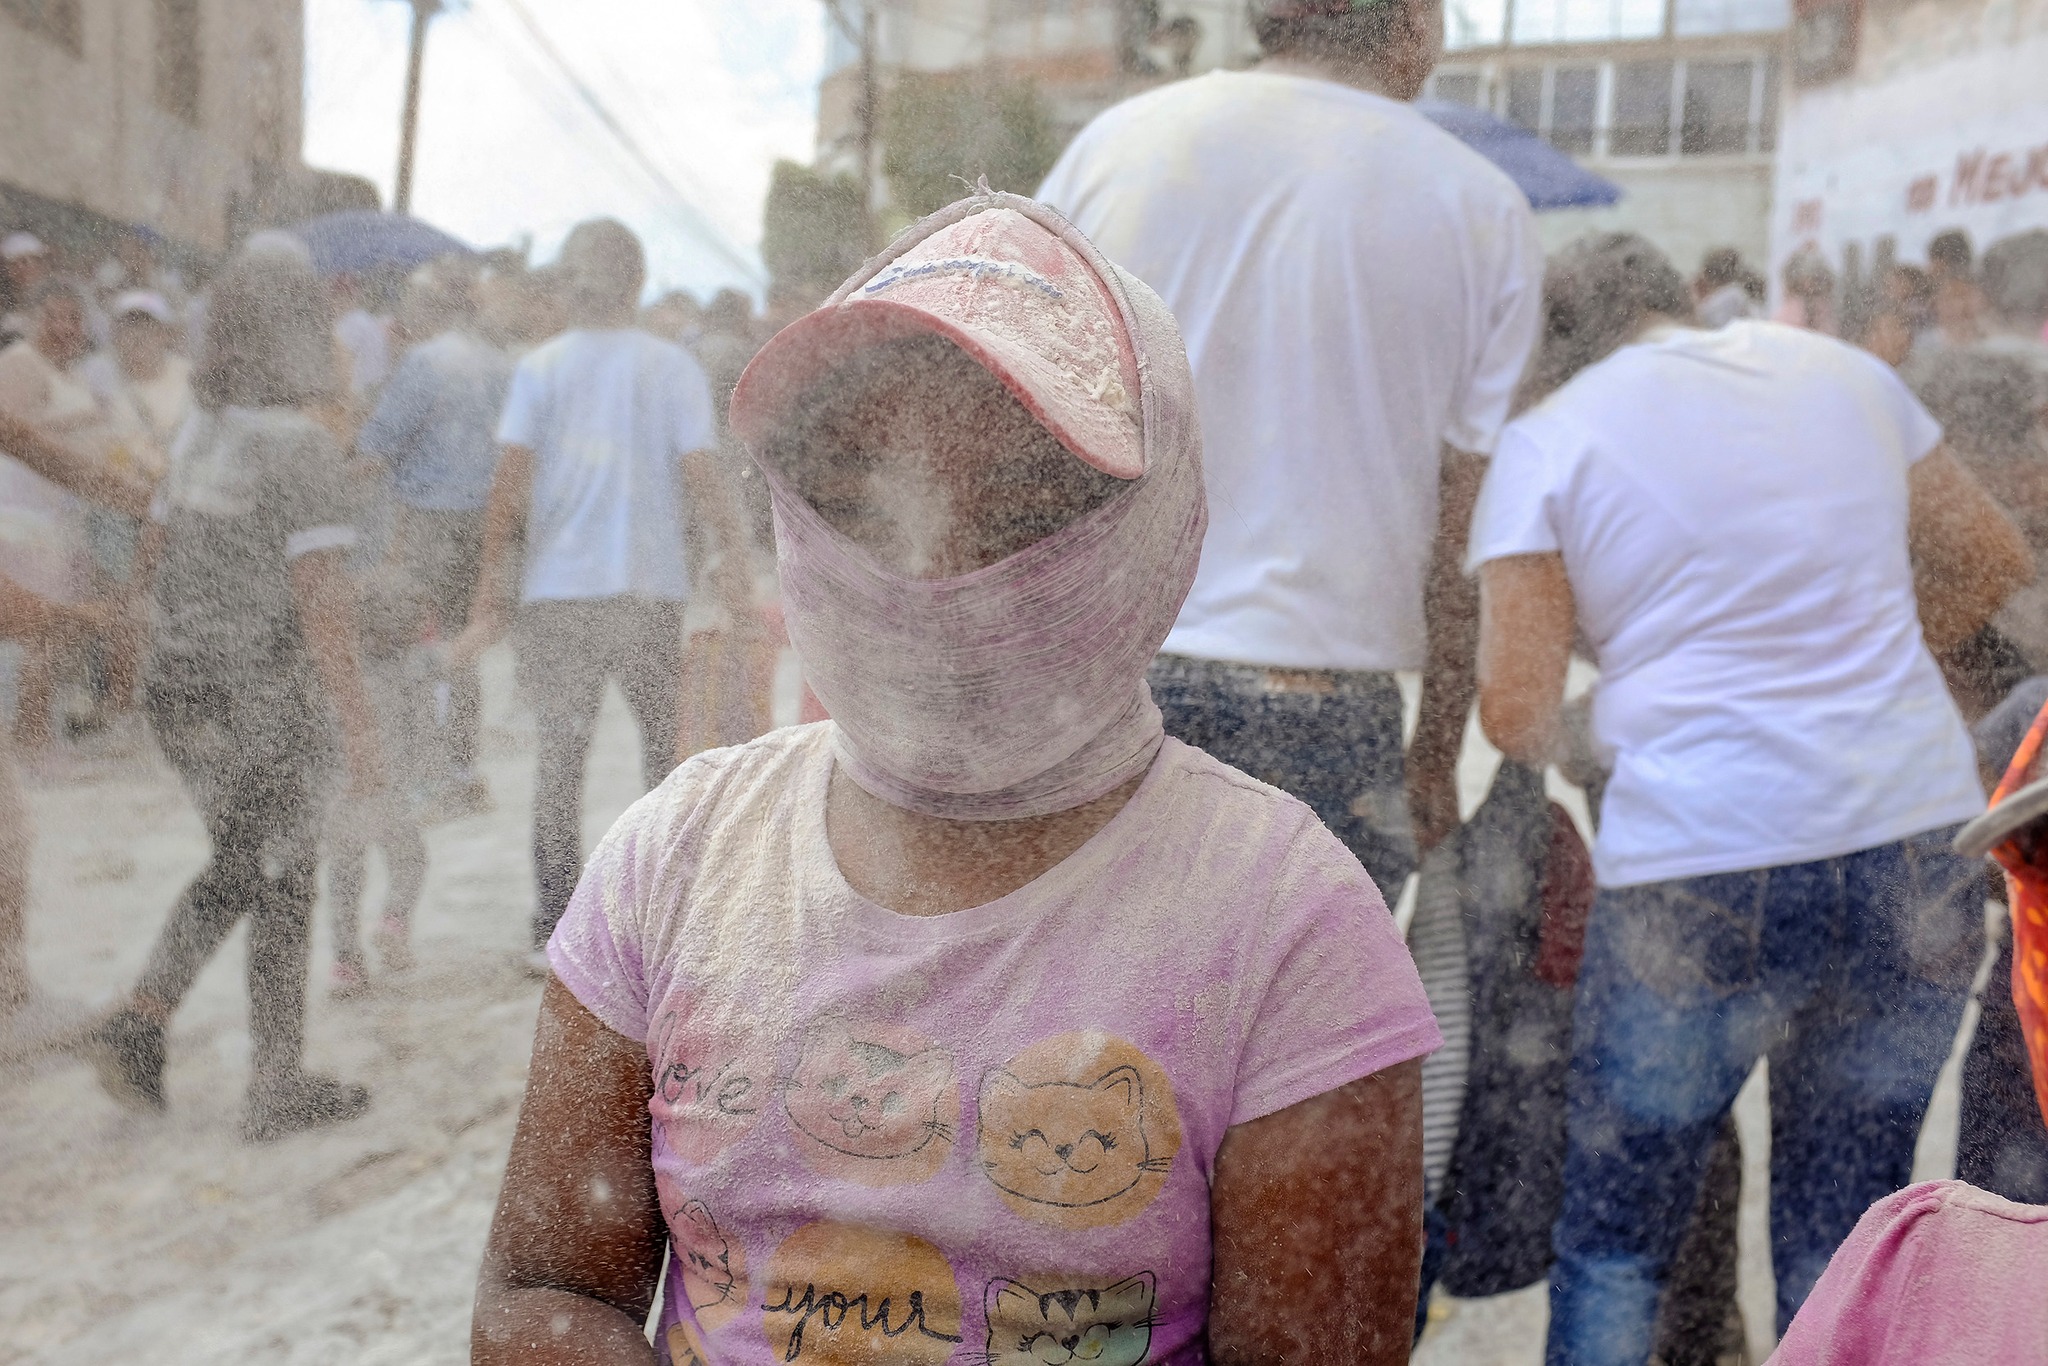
1761	537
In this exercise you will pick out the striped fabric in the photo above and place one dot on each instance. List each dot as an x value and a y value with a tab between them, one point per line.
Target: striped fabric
1436	938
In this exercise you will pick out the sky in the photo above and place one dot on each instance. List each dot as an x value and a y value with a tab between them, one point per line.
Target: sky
712	91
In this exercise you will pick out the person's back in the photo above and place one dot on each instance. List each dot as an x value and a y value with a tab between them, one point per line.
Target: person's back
1733	507
436	421
1357	289
608	413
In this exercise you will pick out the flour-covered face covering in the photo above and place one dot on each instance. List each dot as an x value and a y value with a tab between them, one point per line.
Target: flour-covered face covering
986	470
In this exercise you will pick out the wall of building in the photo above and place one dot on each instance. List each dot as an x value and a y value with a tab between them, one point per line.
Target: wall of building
91	123
1687	208
1941	123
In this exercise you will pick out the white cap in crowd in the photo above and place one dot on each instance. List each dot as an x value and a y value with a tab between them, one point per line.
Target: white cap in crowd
146	302
17	246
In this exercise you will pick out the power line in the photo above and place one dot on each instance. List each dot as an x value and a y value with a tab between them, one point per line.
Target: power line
705	230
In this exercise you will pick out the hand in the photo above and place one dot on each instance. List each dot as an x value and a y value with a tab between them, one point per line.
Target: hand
1432	804
484	630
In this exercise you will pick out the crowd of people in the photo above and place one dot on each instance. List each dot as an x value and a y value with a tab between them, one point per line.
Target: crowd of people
1044	996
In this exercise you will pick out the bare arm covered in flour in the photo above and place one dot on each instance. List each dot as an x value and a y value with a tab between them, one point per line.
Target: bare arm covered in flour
1316	1213
574	1256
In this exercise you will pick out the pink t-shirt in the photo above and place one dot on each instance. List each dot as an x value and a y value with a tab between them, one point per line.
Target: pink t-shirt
1940	1274
984	1136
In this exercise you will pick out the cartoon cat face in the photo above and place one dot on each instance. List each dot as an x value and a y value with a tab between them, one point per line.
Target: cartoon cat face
1105	1327
1063	1144
705	1258
868	1100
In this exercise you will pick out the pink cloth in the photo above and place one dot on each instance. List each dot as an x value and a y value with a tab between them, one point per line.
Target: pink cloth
1019	689
974	1136
1941	1274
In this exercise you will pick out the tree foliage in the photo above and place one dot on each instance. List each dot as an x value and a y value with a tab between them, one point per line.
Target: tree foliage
940	129
815	230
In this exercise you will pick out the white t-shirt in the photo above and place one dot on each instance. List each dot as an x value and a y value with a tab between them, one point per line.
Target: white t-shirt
1356	288
609	416
1731	508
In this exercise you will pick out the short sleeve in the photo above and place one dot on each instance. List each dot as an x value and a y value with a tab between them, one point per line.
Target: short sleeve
1341	999
1516	512
526	404
401	411
695	419
1510	315
598	947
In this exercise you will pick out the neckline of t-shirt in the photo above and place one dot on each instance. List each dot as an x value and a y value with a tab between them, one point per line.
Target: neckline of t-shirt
1326	84
1018	907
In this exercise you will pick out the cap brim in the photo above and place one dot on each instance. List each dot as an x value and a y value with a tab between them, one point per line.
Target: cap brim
2003	821
802	353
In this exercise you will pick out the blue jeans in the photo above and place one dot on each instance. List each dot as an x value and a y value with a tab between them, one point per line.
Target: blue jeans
1329	737
1848	973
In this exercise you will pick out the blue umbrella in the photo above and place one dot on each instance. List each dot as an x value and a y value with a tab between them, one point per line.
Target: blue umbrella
359	240
1551	179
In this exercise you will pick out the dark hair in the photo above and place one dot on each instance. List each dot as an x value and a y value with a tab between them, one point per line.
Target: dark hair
268	341
1596	295
604	265
1363	30
2016	277
1986	403
1722	266
1952	250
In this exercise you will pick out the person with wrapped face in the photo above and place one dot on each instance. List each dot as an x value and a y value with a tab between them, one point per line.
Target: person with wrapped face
982	1021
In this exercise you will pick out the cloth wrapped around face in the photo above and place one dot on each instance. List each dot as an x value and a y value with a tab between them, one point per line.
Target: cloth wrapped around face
1018	689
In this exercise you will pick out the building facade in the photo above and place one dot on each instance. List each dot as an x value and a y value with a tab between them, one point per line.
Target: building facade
1674	100
1908	118
180	114
1677	103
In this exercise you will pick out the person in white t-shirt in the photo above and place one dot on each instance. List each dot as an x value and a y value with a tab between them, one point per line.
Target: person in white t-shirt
1759	533
608	439
1359	292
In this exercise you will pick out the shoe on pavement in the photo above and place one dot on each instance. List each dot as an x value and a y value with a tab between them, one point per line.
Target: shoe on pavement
284	1105
127	1054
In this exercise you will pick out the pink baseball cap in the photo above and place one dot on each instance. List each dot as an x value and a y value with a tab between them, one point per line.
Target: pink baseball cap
1012	288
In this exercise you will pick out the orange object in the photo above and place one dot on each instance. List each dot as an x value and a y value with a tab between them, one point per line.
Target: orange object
2024	856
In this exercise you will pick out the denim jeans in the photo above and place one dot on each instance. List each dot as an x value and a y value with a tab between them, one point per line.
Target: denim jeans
1848	973
1335	745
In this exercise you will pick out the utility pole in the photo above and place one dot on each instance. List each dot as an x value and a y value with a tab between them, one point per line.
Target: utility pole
409	121
866	103
866	113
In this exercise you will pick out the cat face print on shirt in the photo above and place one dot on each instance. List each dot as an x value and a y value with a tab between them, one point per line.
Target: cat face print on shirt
850	1295
1086	1325
1077	1131
873	1104
712	1266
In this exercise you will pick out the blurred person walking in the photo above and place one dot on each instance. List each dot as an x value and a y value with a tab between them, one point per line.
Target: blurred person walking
608	440
254	648
43	543
144	388
25	263
1726	289
1761	592
1992	397
30	1020
1810	288
1959	302
435	426
1354	366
